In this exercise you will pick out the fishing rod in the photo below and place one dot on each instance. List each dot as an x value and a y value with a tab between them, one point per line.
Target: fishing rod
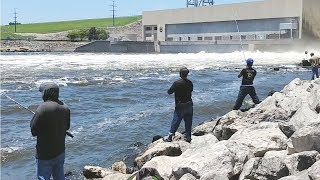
67	133
241	44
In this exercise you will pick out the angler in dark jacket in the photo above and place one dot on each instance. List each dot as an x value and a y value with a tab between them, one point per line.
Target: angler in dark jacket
182	90
49	125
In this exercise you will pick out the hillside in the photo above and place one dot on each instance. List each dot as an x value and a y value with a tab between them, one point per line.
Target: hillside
57	27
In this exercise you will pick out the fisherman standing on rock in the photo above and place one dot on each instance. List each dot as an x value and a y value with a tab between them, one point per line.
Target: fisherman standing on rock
314	61
182	90
246	87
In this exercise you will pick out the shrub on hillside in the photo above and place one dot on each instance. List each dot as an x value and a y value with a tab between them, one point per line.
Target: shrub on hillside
73	35
102	34
83	33
91	34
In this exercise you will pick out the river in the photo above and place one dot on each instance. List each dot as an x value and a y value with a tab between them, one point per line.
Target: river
119	101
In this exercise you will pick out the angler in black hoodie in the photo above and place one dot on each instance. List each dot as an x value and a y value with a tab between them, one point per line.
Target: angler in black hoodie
49	124
182	90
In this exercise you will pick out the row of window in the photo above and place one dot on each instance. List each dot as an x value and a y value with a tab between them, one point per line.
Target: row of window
226	37
149	28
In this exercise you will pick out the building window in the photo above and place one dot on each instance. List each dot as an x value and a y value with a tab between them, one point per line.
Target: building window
148	35
169	39
208	38
155	28
199	38
243	37
217	38
148	28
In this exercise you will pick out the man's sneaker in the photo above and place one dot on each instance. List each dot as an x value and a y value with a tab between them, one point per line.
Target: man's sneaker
167	138
187	139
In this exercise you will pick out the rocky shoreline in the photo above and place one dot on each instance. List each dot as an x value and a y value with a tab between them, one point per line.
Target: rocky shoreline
277	139
39	46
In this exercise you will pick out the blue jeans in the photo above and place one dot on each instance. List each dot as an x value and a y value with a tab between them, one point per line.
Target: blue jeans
315	72
54	167
185	112
244	91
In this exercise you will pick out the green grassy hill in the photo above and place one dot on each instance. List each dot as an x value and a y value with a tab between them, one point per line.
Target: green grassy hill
53	27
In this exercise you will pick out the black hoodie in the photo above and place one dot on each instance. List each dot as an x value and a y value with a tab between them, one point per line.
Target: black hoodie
50	123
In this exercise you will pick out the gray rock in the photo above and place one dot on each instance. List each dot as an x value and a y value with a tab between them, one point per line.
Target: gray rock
303	175
269	167
300	161
314	171
287	129
307	138
96	172
120	167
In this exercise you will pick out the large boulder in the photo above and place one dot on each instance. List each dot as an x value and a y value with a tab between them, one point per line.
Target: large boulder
161	148
163	164
262	137
269	167
306	138
300	161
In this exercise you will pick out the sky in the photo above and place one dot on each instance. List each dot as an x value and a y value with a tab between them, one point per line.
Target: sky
37	11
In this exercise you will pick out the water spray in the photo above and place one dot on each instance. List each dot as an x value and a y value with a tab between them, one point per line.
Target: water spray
67	133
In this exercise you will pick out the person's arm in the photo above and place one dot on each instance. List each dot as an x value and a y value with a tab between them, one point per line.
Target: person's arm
172	89
34	124
240	75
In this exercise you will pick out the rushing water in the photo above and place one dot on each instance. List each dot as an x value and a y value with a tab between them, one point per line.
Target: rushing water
117	100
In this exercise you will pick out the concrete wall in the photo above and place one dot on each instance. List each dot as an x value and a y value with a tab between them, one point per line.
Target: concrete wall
195	48
311	17
96	46
240	11
118	47
281	45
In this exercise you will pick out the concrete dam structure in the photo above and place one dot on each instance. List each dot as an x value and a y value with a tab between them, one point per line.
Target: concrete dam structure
311	18
118	47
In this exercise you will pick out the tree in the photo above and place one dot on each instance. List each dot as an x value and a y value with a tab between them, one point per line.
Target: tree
92	34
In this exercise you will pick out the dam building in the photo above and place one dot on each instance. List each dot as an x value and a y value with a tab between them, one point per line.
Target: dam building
248	24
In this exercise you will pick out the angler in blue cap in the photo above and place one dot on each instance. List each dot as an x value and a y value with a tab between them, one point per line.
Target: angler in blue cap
248	74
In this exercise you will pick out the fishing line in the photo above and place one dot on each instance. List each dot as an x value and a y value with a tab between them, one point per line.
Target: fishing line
68	133
241	44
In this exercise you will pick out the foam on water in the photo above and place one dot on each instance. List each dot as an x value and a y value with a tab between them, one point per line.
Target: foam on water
195	61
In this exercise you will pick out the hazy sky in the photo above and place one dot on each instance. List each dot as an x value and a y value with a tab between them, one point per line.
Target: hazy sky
33	11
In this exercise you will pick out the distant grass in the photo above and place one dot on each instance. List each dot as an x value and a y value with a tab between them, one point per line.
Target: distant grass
53	27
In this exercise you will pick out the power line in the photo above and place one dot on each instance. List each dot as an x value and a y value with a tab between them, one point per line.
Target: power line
113	12
15	20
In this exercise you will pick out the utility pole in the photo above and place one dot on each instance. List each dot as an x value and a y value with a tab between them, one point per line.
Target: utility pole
15	20
113	10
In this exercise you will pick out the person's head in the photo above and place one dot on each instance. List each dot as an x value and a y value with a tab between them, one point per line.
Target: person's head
50	91
184	72
306	52
249	62
311	54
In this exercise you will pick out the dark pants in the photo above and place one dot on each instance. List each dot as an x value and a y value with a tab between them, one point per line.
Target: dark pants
244	91
185	112
315	72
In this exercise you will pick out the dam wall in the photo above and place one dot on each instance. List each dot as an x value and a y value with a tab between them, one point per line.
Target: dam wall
118	47
311	18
